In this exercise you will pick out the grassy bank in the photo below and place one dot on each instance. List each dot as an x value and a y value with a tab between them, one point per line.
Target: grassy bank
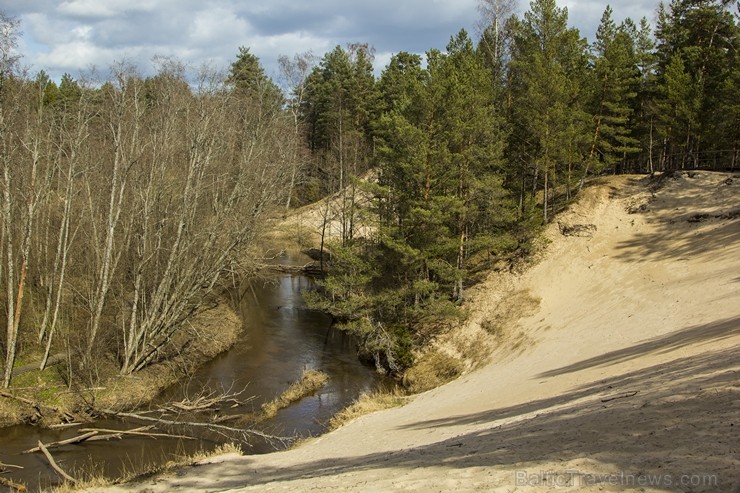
44	397
309	383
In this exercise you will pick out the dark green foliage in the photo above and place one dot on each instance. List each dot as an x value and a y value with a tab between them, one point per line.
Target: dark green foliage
616	76
439	200
549	82
248	79
339	112
697	53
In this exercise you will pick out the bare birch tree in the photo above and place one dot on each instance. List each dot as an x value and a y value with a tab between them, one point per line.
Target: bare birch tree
72	128
294	74
230	173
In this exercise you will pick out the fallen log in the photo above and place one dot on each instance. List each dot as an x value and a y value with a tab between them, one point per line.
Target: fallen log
135	432
63	426
40	408
3	465
583	230
311	268
53	360
54	465
141	429
219	428
77	439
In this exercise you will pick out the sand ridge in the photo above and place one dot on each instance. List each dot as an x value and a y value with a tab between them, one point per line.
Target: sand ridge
624	378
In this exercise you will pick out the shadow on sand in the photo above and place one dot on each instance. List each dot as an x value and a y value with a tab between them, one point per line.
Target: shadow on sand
643	423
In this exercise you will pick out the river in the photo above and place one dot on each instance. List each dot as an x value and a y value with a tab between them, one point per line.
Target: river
281	339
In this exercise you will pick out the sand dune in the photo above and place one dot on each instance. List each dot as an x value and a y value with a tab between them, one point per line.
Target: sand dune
624	377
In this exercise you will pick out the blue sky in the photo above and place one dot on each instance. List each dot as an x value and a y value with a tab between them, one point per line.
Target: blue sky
74	35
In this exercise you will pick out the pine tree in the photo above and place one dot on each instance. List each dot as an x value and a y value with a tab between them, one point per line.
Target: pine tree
340	110
615	79
441	205
548	75
644	110
703	34
249	80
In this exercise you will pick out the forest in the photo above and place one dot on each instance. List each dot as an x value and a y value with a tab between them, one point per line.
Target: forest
127	202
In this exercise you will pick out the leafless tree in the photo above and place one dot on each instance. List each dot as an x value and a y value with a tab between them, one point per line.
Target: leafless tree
294	74
123	205
23	142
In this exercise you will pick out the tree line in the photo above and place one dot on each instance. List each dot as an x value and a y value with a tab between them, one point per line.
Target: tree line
125	200
472	149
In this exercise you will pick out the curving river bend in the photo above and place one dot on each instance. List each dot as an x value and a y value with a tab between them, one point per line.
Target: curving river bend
281	339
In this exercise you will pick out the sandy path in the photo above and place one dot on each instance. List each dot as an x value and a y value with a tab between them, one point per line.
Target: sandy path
626	376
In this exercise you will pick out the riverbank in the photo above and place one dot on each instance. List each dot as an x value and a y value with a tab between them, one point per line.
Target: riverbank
620	374
42	398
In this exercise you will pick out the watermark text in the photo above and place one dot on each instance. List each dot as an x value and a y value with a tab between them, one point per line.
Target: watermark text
573	478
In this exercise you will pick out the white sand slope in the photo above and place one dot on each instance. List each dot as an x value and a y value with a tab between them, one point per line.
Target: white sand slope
626	377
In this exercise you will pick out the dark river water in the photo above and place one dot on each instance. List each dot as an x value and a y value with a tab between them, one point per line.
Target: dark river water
280	341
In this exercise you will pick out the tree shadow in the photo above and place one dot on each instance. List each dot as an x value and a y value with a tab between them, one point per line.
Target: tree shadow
658	423
688	219
631	186
669	241
721	329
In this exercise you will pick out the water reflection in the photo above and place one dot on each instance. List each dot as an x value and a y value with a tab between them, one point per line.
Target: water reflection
281	340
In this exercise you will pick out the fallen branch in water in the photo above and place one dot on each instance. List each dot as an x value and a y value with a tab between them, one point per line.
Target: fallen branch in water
3	465
10	484
94	435
61	426
206	402
77	439
218	428
54	465
311	268
135	432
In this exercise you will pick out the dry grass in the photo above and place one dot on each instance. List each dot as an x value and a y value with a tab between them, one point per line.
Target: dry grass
293	233
87	484
96	481
505	317
310	382
10	412
475	349
433	369
366	404
189	460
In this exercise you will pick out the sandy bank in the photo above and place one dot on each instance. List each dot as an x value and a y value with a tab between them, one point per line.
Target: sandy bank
625	377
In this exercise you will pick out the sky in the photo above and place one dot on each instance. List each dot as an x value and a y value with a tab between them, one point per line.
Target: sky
73	36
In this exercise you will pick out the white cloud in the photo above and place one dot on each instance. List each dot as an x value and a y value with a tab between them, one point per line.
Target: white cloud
586	14
217	26
103	8
82	32
69	35
79	54
382	60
